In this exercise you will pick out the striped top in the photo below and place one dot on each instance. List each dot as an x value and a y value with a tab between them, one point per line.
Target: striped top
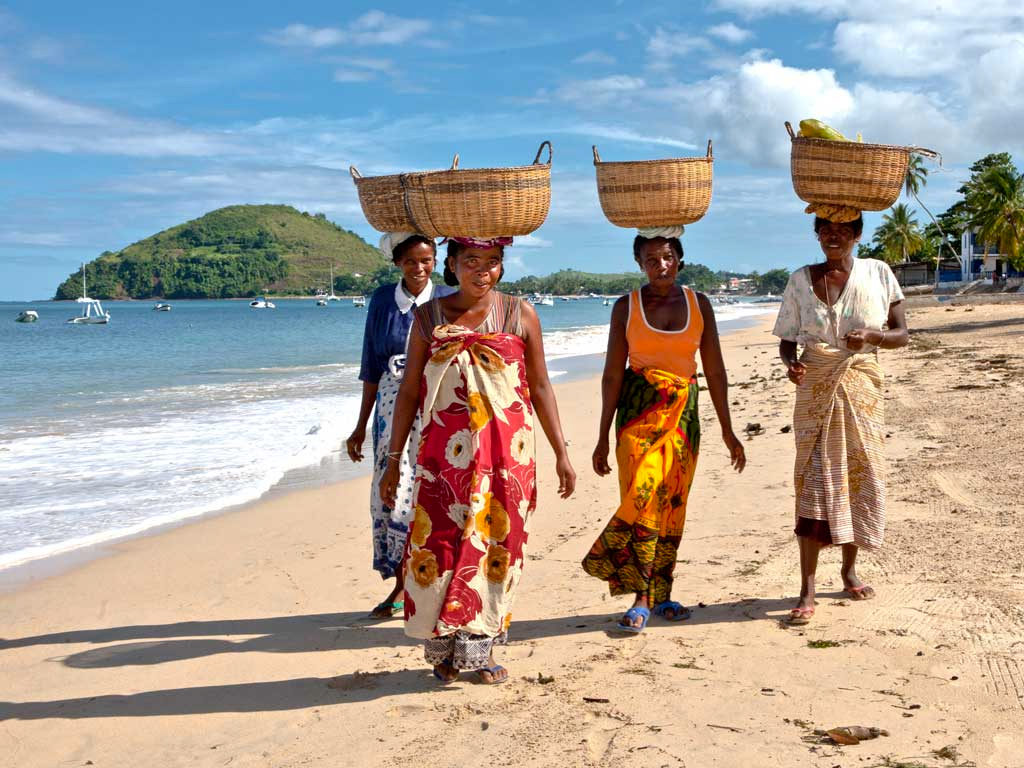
505	316
671	351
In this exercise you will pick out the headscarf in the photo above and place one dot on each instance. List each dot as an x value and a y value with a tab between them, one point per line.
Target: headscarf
670	231
479	242
391	240
840	214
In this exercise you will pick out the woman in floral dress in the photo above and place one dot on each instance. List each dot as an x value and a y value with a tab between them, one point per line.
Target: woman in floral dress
476	373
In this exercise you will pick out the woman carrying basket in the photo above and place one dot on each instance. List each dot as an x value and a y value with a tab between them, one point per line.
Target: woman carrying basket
388	321
841	311
657	330
476	370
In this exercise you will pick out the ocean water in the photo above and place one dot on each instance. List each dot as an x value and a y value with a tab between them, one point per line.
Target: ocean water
106	431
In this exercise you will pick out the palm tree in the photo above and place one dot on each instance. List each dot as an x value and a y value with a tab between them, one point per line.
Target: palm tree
899	234
914	181
916	177
997	210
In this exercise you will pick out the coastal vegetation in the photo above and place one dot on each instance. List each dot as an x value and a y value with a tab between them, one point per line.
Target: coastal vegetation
991	202
247	250
241	250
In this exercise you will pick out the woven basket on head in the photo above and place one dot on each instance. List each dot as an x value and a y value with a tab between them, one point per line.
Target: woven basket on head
383	201
654	193
864	176
480	202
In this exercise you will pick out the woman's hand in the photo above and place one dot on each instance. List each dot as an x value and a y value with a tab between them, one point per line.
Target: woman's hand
354	444
389	483
859	338
796	371
566	477
737	456
600	457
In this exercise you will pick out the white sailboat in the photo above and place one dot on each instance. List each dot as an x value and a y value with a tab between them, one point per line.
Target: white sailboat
262	302
331	296
92	311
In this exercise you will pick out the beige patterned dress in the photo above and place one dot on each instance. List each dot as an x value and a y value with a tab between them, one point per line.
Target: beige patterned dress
839	417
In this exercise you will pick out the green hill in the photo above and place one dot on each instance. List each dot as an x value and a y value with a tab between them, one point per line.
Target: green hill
241	250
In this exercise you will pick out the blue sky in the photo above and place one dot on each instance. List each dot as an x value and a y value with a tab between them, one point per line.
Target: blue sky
118	120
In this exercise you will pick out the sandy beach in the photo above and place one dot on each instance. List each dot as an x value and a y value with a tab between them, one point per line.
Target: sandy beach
242	639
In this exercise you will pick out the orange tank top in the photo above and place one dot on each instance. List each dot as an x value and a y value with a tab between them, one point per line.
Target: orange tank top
671	351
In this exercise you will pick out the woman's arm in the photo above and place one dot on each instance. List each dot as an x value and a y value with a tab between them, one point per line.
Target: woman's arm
895	337
718	381
369	373
354	444
543	396
611	382
795	370
406	403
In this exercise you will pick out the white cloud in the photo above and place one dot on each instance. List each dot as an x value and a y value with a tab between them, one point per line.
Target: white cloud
614	133
531	241
667	45
372	28
45	49
302	36
354	75
595	57
602	91
37	122
730	33
47	239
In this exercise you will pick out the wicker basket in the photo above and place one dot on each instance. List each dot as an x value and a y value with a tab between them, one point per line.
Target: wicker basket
865	176
480	202
383	201
655	193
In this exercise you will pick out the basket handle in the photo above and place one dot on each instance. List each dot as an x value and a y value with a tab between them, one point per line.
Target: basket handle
710	156
536	160
355	172
790	129
926	152
455	162
597	157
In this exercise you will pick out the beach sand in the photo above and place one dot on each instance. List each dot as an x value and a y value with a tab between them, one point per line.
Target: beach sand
242	639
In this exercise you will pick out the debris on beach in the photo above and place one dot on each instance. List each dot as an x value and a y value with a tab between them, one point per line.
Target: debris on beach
848	735
753	429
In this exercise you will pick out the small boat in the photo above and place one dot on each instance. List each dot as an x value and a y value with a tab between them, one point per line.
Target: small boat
331	296
262	302
162	308
359	301
27	316
321	302
542	300
92	311
607	302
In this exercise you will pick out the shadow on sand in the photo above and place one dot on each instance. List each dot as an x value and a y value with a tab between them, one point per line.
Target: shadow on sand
161	643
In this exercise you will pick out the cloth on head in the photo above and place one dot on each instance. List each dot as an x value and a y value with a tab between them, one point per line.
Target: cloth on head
481	242
839	214
391	240
673	230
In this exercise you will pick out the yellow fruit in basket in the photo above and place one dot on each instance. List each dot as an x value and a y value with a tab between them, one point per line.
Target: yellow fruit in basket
815	129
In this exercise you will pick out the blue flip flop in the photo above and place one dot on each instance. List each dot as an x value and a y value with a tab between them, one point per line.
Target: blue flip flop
679	611
493	672
631	615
